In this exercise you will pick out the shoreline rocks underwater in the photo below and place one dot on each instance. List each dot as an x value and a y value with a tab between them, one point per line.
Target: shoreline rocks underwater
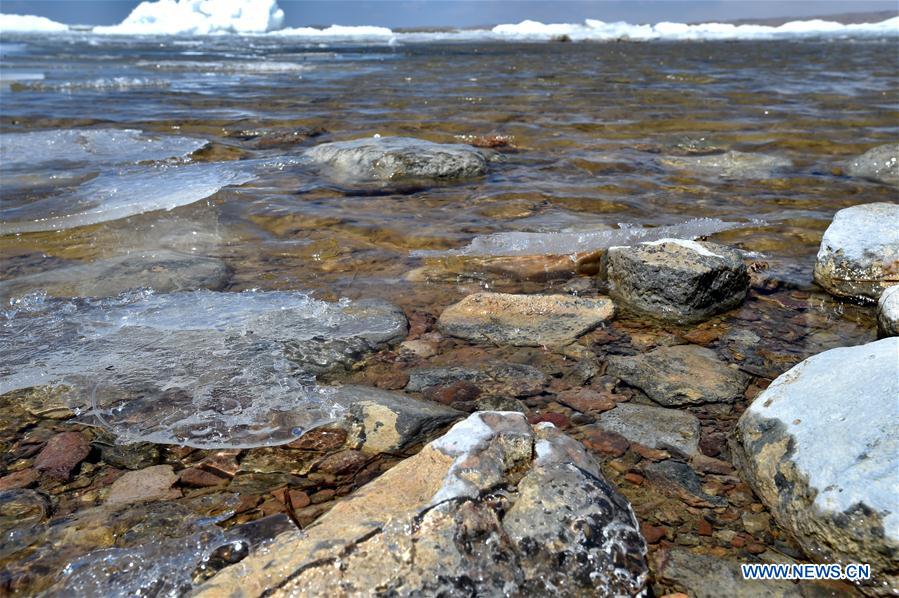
382	469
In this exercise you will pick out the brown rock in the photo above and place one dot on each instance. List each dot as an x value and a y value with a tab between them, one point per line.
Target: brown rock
61	455
586	399
754	548
198	478
703	337
393	380
19	479
606	442
559	420
704	528
151	483
651	533
322	496
342	462
299	499
650	453
456	392
634	478
320	439
710	465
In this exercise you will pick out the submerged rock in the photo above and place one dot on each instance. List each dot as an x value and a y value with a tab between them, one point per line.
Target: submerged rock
492	378
151	483
163	271
205	369
859	253
435	525
731	165
681	375
654	427
888	312
676	279
820	447
524	320
880	164
390	159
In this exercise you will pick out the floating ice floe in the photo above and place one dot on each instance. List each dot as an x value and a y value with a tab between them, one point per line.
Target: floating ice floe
578	242
131	191
202	368
29	23
199	17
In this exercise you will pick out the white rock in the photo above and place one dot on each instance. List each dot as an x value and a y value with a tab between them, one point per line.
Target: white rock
888	312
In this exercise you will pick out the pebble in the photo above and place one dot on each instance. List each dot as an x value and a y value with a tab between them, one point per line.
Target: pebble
61	455
151	483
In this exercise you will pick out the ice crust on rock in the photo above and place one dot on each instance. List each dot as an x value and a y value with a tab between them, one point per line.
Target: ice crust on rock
202	368
572	243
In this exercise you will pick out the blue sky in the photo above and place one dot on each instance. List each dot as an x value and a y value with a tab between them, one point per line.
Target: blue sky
468	13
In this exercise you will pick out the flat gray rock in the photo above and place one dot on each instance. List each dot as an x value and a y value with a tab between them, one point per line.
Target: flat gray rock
731	164
655	427
492	378
820	447
888	312
681	375
163	271
859	253
676	279
524	320
879	164
389	159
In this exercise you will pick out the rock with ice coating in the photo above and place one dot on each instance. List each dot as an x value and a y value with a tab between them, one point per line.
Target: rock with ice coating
888	312
524	320
880	164
204	369
29	24
556	528
199	17
820	447
859	253
730	165
163	271
676	279
390	159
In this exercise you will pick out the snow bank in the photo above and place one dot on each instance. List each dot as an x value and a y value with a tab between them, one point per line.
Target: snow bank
29	24
199	17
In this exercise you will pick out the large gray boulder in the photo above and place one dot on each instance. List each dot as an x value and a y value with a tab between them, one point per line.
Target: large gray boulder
390	159
820	447
681	375
880	164
888	312
677	279
436	525
859	253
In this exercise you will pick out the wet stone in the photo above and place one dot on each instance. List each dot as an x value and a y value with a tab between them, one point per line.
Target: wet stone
129	456
879	164
654	427
681	375
680	479
731	164
678	280
61	455
524	320
19	479
151	483
492	378
888	312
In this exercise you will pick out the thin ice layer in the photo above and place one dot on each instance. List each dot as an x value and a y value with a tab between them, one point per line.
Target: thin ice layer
38	149
203	369
131	191
572	243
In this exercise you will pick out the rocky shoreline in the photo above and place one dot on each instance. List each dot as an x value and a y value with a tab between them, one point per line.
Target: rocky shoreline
611	435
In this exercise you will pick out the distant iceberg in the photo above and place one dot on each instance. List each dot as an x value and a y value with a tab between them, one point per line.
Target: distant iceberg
29	23
199	17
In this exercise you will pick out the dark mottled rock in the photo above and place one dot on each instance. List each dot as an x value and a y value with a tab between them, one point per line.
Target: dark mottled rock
653	427
678	280
859	253
128	456
557	527
491	378
680	479
681	375
61	455
820	447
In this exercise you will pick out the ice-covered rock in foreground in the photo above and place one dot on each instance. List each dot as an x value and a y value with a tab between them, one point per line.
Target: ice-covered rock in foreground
880	164
820	447
29	24
81	147
859	253
199	17
390	159
435	524
888	312
580	242
199	368
730	165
